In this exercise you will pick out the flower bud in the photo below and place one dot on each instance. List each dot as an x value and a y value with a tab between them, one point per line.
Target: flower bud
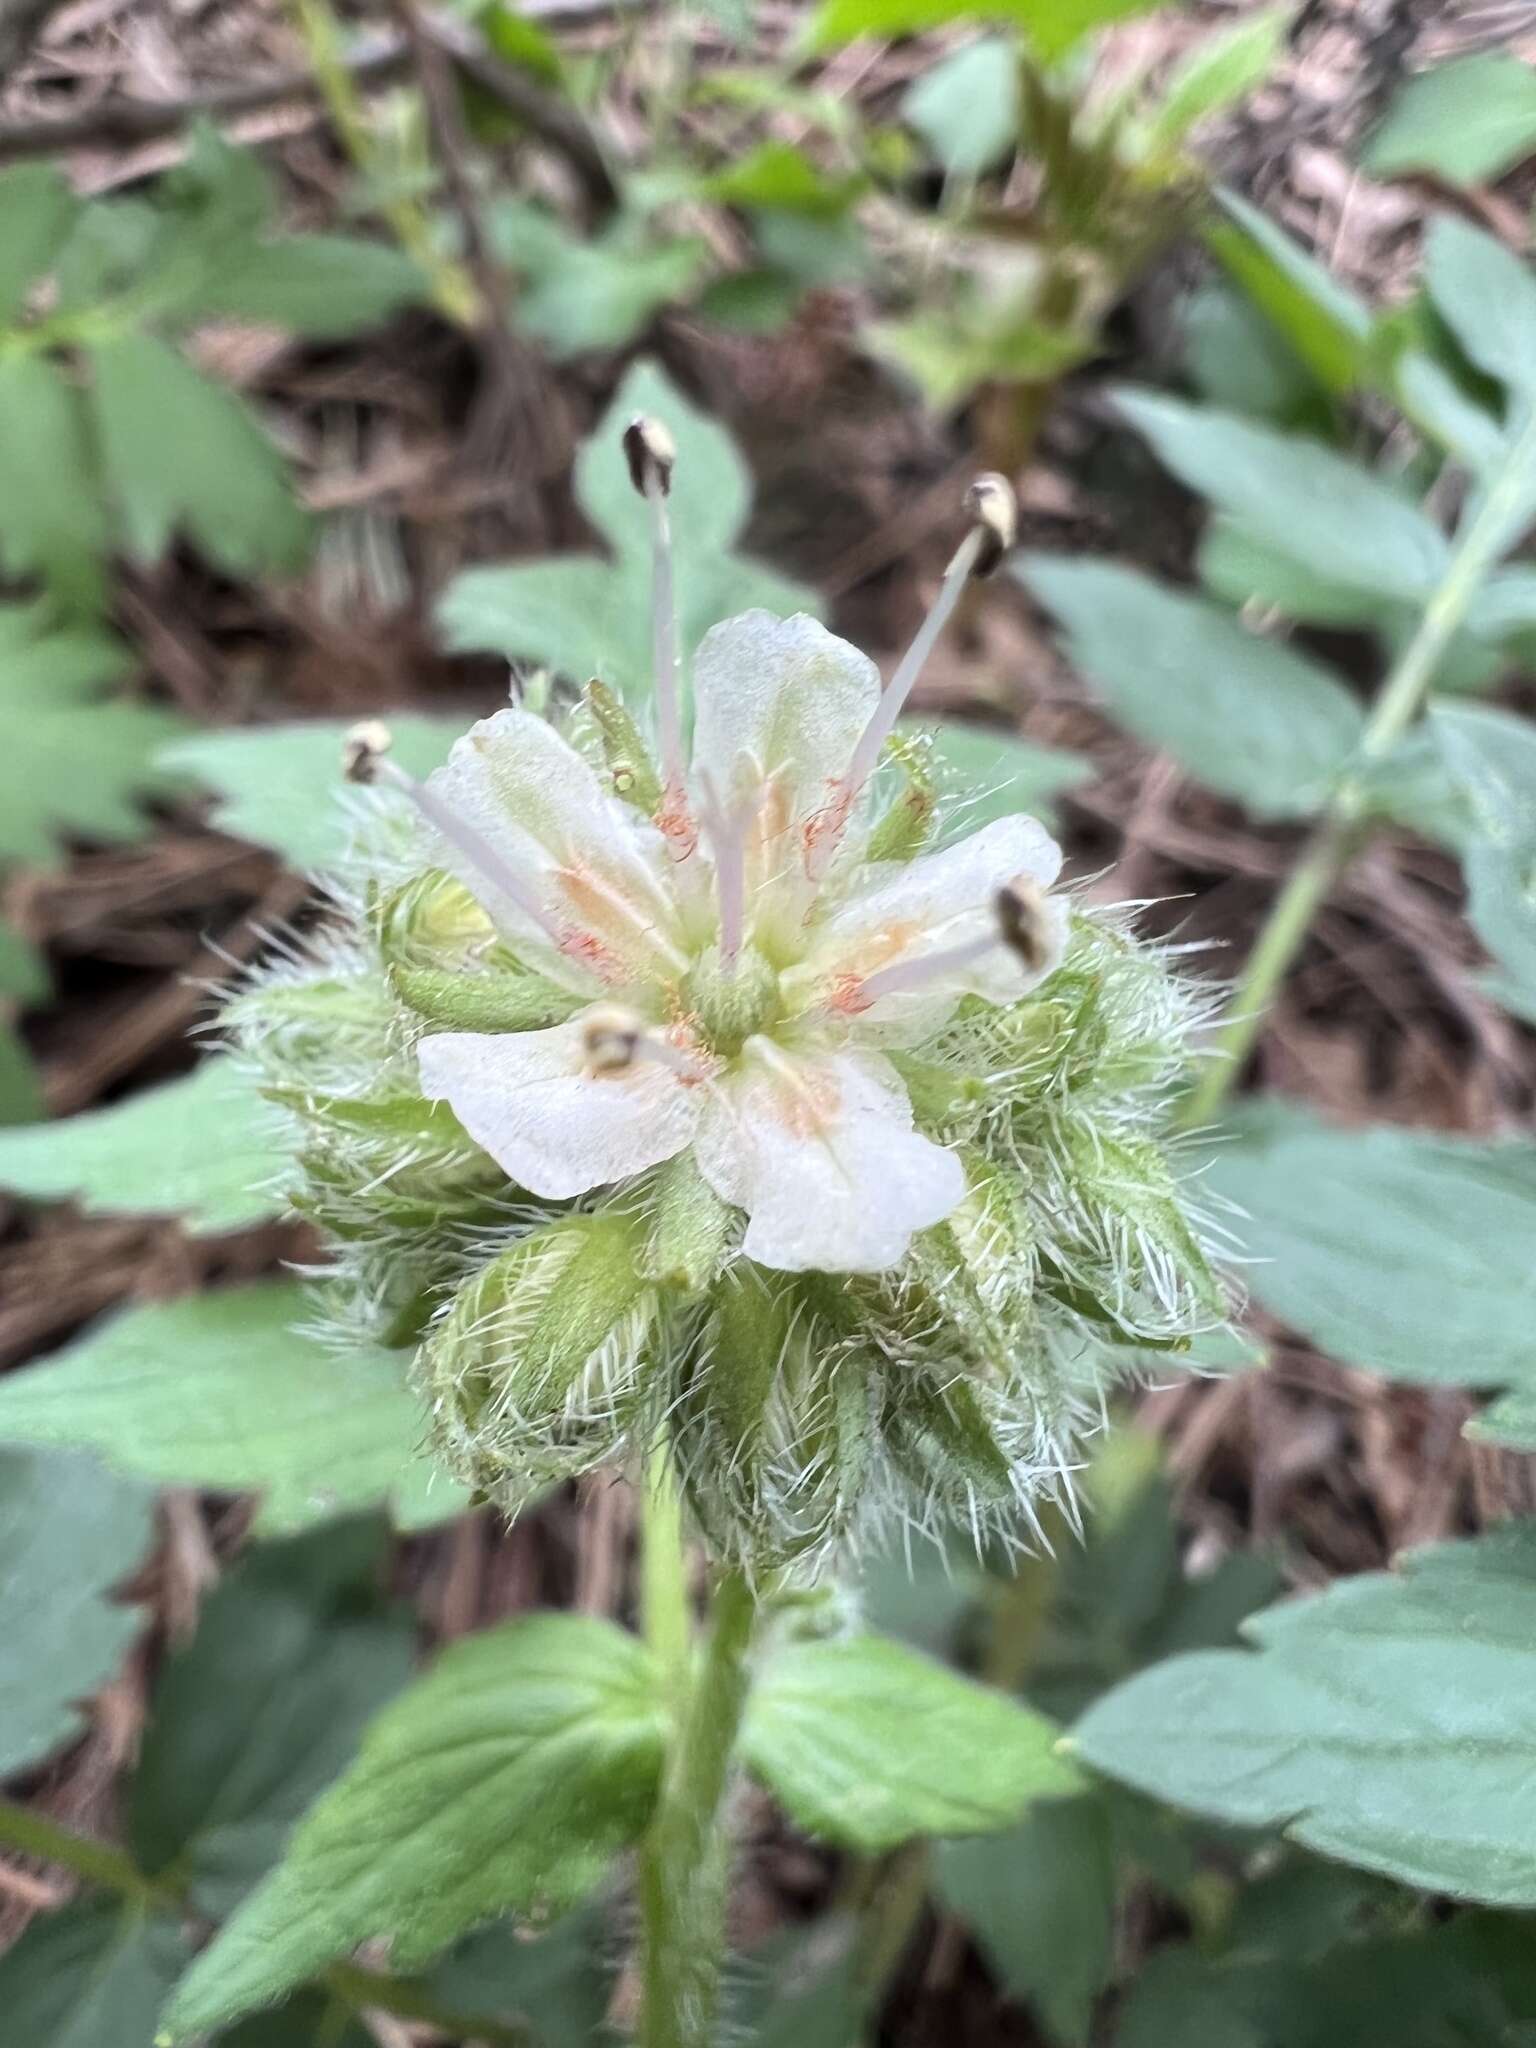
651	453
538	1368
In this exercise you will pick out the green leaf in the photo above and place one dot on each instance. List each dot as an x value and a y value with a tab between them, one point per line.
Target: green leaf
583	616
182	454
869	1744
68	1531
1390	1721
328	286
38	209
781	177
293	1655
949	349
602	294
23	971
1221	69
1052	26
51	521
1323	323
74	761
221	1390
994	774
1236	360
1402	1252
967	107
1467	121
200	1147
281	785
512	1773
1492	756
93	1975
1249	716
1040	1900
558	1984
21	1086
1487	297
1325	512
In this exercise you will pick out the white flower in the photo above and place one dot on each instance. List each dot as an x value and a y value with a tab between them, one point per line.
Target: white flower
767	966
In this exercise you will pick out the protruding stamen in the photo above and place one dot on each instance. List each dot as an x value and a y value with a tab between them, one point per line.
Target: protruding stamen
364	748
365	761
727	830
651	453
613	1039
991	505
1023	925
1026	928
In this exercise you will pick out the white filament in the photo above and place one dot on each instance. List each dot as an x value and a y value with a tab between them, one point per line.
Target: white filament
502	878
727	831
669	713
903	975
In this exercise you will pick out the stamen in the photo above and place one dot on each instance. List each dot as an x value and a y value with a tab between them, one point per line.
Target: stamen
1023	926
727	832
990	501
364	760
614	1039
1027	931
651	454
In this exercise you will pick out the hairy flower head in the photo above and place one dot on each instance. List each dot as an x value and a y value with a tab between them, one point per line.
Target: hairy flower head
682	1082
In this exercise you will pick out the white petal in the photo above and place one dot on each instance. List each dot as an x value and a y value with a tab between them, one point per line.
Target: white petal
556	1128
926	907
778	705
820	1152
598	871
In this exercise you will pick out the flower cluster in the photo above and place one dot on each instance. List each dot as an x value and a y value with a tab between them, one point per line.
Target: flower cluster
714	1089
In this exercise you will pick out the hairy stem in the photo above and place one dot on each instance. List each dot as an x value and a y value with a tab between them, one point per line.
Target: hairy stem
1346	820
683	1859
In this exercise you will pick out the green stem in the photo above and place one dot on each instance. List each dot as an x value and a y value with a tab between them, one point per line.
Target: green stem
683	1859
1345	822
31	1833
452	289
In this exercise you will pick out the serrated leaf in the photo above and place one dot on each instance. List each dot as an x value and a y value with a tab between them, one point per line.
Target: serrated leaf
512	1773
869	1744
182	454
281	785
221	1390
583	616
75	761
967	107
1249	716
294	1653
1487	297
1325	325
92	1975
38	208
1466	121
51	522
1401	1252
1221	69
1390	1721
1040	1899
201	1147
1328	513
992	774
1052	26
327	286
68	1531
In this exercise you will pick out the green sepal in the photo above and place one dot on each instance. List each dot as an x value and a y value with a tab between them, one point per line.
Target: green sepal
538	1369
691	1229
941	1437
942	1097
631	774
488	1001
907	825
428	921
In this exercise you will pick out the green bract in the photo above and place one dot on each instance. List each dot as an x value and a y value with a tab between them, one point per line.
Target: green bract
720	1092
